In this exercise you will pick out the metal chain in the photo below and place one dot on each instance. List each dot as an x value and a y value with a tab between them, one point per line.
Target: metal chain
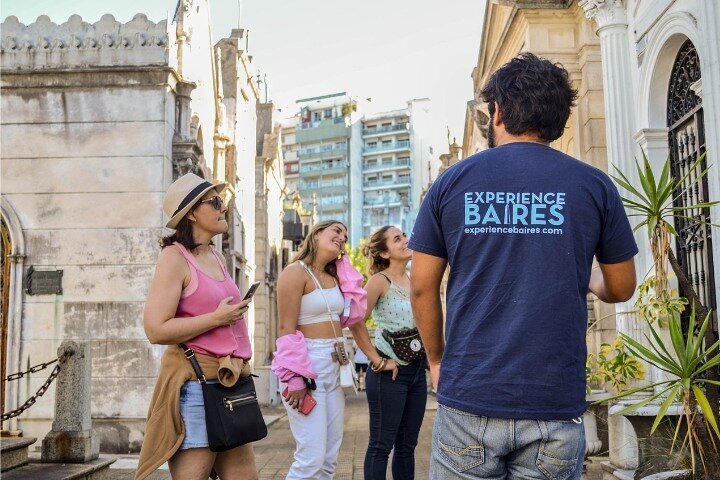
34	369
31	401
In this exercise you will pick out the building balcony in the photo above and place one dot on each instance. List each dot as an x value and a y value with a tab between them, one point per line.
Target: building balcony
400	127
326	186
379	166
290	155
382	203
332	207
385	184
318	169
322	151
395	146
318	123
326	129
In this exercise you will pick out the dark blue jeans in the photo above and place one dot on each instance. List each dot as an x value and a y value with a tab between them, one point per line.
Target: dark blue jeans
396	414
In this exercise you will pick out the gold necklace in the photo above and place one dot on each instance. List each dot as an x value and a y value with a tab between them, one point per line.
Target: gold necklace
323	272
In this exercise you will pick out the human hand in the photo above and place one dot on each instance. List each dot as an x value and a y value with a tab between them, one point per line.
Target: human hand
228	314
434	375
295	398
391	365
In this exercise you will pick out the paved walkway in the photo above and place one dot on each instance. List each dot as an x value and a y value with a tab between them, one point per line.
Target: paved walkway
273	454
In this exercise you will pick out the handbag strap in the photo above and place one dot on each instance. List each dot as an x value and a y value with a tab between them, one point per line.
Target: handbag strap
190	355
319	287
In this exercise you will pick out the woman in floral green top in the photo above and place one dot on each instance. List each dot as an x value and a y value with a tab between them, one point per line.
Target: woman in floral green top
396	398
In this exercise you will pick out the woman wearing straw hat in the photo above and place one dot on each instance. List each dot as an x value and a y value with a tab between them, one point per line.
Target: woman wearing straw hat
193	300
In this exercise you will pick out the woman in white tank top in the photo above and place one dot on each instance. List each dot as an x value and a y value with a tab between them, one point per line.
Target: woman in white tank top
314	310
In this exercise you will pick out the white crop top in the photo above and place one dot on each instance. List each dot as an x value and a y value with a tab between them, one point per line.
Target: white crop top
314	310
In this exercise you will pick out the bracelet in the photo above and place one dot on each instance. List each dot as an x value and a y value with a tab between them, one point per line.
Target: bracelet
380	366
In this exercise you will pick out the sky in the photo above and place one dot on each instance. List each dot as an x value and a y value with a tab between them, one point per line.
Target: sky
388	50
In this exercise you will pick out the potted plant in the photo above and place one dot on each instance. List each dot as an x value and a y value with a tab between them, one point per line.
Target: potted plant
608	371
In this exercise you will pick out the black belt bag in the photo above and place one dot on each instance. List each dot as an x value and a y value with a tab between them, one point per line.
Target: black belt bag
406	344
232	414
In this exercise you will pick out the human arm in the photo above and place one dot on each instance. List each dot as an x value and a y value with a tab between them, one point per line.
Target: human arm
426	275
376	287
290	288
613	282
161	325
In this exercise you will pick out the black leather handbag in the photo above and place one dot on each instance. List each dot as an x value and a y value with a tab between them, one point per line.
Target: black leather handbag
406	344
232	414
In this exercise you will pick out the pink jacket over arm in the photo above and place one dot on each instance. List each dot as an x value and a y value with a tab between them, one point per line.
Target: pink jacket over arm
351	284
291	362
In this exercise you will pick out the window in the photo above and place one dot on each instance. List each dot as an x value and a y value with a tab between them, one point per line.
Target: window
316	116
328	113
372	144
386	143
685	120
386	124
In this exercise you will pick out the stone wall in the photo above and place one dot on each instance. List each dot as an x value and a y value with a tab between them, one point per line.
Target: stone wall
86	159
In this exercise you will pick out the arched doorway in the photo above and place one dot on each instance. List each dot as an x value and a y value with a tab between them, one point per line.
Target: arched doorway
687	143
5	251
13	260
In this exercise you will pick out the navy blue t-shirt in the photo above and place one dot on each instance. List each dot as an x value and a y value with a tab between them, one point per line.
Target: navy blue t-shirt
519	225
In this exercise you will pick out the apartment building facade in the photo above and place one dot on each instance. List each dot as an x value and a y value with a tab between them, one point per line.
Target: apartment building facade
364	170
397	161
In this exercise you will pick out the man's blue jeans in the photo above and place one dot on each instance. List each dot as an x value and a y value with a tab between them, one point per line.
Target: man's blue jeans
467	446
397	408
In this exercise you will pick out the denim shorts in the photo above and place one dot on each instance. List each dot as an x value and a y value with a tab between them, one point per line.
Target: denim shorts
192	411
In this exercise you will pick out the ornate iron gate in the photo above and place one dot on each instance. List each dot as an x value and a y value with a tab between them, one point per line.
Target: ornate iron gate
687	142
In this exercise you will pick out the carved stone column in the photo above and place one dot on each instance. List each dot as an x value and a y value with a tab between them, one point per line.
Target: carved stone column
611	19
185	150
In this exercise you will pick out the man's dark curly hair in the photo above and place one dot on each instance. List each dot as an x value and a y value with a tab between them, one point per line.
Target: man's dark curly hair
534	96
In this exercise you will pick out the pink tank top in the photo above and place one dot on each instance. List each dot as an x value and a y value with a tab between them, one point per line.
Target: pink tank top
202	295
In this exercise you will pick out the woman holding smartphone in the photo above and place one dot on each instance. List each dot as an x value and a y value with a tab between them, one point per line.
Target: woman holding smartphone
310	306
193	300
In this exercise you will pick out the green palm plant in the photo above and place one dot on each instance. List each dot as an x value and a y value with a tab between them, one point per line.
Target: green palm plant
653	204
685	360
688	356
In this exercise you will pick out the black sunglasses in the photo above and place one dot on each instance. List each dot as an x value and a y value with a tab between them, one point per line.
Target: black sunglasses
216	202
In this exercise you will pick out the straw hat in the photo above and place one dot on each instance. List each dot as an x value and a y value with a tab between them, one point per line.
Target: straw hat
185	192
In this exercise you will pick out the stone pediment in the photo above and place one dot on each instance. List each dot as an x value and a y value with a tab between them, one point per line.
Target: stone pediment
76	43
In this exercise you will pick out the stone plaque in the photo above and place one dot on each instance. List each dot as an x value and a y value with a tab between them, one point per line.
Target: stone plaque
43	282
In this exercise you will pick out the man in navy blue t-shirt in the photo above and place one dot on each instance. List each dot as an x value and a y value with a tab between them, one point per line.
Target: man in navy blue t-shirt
519	225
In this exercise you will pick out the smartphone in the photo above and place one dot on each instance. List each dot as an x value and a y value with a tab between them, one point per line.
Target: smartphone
308	402
251	291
